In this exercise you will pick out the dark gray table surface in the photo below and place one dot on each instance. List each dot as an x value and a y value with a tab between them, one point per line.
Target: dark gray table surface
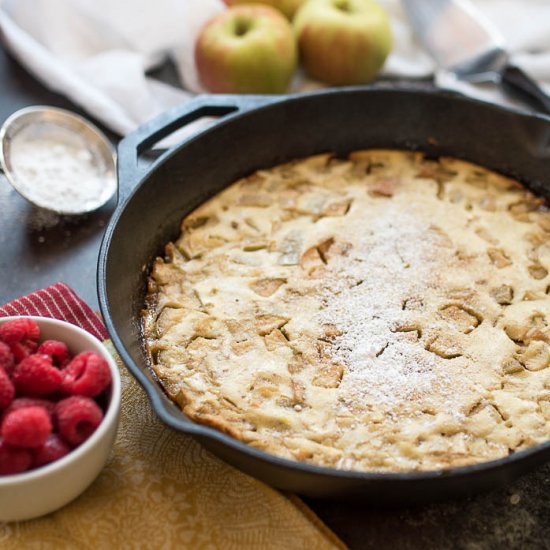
38	249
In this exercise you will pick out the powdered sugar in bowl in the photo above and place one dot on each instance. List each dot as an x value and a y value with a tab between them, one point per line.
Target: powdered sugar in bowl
57	160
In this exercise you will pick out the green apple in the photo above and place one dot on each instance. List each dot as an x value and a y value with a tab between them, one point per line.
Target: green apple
246	49
288	7
342	42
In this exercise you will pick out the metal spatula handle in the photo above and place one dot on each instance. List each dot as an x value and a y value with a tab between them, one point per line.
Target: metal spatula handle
464	42
518	83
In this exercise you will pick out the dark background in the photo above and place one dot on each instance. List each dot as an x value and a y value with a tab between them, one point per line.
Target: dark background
38	249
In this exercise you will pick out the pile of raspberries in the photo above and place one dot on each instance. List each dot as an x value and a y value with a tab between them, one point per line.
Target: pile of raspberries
47	397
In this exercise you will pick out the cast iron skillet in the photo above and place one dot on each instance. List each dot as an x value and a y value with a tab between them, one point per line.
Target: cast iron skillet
255	132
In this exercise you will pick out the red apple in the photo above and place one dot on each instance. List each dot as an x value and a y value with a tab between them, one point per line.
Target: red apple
342	42
288	7
246	49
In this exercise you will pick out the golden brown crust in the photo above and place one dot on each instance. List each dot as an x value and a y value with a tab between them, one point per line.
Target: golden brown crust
384	312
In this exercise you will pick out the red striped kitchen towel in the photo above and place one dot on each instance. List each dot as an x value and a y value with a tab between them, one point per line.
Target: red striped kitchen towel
57	301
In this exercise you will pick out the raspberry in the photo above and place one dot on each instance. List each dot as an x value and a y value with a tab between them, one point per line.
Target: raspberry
36	376
20	350
87	374
28	427
58	351
19	330
13	460
21	336
77	418
7	391
24	402
53	449
7	361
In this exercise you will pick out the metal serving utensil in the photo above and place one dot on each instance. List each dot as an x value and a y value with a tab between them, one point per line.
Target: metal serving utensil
462	41
58	126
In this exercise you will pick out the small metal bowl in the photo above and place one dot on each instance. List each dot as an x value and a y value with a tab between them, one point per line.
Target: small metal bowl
63	132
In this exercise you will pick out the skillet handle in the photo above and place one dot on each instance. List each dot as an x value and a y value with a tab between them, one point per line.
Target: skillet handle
523	86
140	140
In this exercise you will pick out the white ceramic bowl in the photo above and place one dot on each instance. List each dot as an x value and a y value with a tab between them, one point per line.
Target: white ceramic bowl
38	492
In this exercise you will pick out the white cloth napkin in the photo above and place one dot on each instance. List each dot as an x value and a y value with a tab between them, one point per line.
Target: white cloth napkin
98	52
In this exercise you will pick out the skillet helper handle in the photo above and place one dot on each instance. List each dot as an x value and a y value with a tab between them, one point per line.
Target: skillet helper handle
517	82
142	139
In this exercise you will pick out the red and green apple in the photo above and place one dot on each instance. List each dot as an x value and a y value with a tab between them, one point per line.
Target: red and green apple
246	49
288	7
342	42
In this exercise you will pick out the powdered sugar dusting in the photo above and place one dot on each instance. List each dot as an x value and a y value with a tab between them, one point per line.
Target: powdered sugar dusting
366	301
58	169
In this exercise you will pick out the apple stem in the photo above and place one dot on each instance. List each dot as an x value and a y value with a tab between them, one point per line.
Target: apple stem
343	5
242	26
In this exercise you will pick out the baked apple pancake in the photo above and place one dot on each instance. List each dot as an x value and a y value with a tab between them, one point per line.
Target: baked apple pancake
383	312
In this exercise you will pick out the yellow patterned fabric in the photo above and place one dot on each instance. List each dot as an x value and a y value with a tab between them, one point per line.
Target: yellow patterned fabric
161	489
